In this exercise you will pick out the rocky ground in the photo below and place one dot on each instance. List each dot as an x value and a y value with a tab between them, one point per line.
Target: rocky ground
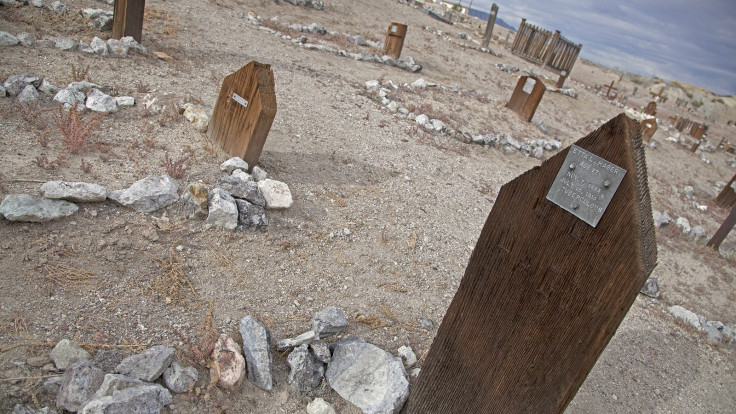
385	211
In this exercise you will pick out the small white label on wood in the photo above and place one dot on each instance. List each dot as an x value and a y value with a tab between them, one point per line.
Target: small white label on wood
239	99
529	85
394	29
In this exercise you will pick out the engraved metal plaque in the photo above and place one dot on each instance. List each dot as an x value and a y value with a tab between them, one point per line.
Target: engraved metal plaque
239	99
394	29
585	185
529	85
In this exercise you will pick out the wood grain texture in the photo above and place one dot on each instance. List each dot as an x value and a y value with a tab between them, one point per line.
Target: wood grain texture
727	197
395	40
525	104
128	19
242	131
543	292
648	128
726	227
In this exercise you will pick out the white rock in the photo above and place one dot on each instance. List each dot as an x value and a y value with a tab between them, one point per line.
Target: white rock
196	116
125	100
419	83
47	88
74	191
320	406
372	85
27	95
99	46
690	317
407	354
117	47
422	119
276	193
242	175
149	194
683	224
223	212
234	163
99	101
259	174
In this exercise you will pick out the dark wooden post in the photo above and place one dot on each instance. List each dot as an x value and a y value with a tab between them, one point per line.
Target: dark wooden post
726	227
489	27
695	146
609	88
244	112
128	19
545	291
698	131
526	97
648	128
395	39
727	196
651	109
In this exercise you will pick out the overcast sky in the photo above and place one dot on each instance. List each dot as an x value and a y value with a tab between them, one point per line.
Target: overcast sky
688	41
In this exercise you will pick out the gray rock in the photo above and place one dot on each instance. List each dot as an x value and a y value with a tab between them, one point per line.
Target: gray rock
92	14
661	219
286	344
66	353
276	194
194	200
321	351
16	83
131	44
51	385
117	48
74	191
540	125
683	225
408	355
178	378
426	323
3	92
223	212
233	164
149	194
65	43
99	46
7	39
149	364
305	370
100	102
508	140
331	321
47	88
28	95
79	383
69	98
238	173
125	100
107	359
687	316
651	288
58	7
146	398
367	376
38	3
439	125
257	351
713	331
24	409
538	153
246	190
259	174
82	86
697	233
113	383
33	208
320	406
251	215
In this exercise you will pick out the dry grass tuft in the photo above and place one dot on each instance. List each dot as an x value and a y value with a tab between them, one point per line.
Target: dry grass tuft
199	352
64	275
393	287
75	131
176	168
80	74
171	282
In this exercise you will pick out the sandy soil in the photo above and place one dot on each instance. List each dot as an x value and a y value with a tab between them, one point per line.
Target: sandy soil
414	203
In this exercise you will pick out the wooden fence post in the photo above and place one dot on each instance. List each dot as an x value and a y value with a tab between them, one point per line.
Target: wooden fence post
395	39
726	227
489	27
727	197
544	290
244	112
526	97
128	19
517	38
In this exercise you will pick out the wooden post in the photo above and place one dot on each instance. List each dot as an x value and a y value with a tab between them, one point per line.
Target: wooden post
395	40
651	109
489	27
727	196
526	97
698	131
648	128
128	19
544	291
609	88
695	146
726	227
244	112
517	38
549	54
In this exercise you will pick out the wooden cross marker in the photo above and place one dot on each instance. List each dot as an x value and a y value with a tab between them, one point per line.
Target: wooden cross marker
395	40
526	97
128	19
244	112
544	290
727	197
609	88
726	227
658	96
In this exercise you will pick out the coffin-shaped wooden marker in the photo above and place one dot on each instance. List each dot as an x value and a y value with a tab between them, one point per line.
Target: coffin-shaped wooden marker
544	290
395	39
526	97
648	128
244	112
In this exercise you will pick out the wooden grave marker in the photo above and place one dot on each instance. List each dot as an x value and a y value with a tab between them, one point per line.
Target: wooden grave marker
648	128
698	131
395	39
544	290
610	87
244	112
727	197
722	232
651	109
658	96
526	97
128	19
489	26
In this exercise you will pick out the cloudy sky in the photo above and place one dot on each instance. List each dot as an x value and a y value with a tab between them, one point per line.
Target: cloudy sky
688	41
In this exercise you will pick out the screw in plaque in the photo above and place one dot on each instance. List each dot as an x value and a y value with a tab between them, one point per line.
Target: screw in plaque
607	183
572	166
575	206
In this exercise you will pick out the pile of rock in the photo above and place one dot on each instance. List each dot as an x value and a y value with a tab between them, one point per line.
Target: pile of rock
508	144
113	47
237	201
716	331
507	68
315	4
696	233
100	19
56	6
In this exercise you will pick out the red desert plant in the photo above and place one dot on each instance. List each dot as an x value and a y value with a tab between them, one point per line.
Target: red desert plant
75	131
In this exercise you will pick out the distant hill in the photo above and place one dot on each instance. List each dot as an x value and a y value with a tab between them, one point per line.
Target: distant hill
484	15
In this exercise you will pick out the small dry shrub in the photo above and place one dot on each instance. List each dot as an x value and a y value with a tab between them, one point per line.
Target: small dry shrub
171	282
80	74
75	131
85	166
43	161
176	169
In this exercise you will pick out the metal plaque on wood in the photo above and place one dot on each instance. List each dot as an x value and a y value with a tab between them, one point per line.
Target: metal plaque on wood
585	185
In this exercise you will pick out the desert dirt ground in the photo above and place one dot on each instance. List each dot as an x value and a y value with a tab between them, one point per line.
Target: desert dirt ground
414	203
